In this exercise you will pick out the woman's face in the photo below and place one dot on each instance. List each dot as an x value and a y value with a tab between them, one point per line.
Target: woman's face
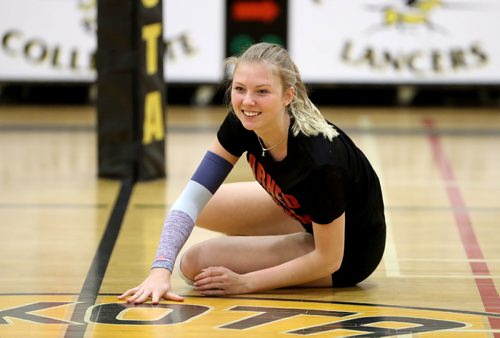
257	97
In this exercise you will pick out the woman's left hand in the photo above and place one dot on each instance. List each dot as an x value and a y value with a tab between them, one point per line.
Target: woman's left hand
219	281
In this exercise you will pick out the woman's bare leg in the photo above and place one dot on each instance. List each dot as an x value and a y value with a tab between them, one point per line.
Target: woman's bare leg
245	208
261	234
243	254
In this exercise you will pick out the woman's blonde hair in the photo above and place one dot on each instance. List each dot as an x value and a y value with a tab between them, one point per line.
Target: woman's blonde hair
307	117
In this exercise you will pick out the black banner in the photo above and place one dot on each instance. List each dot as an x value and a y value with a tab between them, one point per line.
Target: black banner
131	89
252	21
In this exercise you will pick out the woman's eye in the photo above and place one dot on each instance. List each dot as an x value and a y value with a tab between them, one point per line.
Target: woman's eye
263	91
238	89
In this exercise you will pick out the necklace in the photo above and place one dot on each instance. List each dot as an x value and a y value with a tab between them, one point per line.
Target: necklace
267	149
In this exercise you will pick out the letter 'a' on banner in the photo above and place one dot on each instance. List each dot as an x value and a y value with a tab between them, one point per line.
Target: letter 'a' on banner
131	89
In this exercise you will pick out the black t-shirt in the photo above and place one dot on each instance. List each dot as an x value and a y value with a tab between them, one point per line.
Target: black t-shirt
317	181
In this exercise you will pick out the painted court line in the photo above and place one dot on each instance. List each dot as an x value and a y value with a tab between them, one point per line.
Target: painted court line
457	260
485	285
431	276
95	275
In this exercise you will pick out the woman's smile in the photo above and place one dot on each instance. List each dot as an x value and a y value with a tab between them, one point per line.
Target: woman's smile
251	113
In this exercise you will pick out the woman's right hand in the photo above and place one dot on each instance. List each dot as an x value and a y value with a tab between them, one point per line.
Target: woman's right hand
156	286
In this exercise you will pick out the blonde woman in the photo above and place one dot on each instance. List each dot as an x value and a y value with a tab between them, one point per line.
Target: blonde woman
313	217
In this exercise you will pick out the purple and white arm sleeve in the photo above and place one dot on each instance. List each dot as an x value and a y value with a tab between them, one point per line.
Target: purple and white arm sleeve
180	220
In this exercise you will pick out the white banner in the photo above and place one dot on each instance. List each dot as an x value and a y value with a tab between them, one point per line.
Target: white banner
194	31
50	40
55	40
395	41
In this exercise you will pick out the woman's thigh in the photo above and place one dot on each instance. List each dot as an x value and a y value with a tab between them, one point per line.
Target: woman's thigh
243	254
245	208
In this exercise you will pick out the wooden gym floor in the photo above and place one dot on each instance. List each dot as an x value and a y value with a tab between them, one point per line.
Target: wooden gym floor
71	242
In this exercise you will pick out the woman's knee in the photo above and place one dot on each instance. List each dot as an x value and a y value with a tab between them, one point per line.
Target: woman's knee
183	273
190	264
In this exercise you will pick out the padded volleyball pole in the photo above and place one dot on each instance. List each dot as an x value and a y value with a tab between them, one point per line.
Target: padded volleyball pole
131	98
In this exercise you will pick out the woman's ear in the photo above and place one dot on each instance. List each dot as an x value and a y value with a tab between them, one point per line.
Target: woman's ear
288	95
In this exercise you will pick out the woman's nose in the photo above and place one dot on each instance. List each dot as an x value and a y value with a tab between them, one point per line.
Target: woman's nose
248	99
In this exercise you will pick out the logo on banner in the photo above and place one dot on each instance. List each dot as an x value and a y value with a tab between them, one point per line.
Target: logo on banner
88	10
410	27
412	13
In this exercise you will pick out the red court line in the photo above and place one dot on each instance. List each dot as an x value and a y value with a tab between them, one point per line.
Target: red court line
485	286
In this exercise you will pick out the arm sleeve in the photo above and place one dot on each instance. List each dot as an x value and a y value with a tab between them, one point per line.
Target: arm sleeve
180	220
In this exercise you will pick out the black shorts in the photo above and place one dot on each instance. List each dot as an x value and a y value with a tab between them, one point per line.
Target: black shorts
362	255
